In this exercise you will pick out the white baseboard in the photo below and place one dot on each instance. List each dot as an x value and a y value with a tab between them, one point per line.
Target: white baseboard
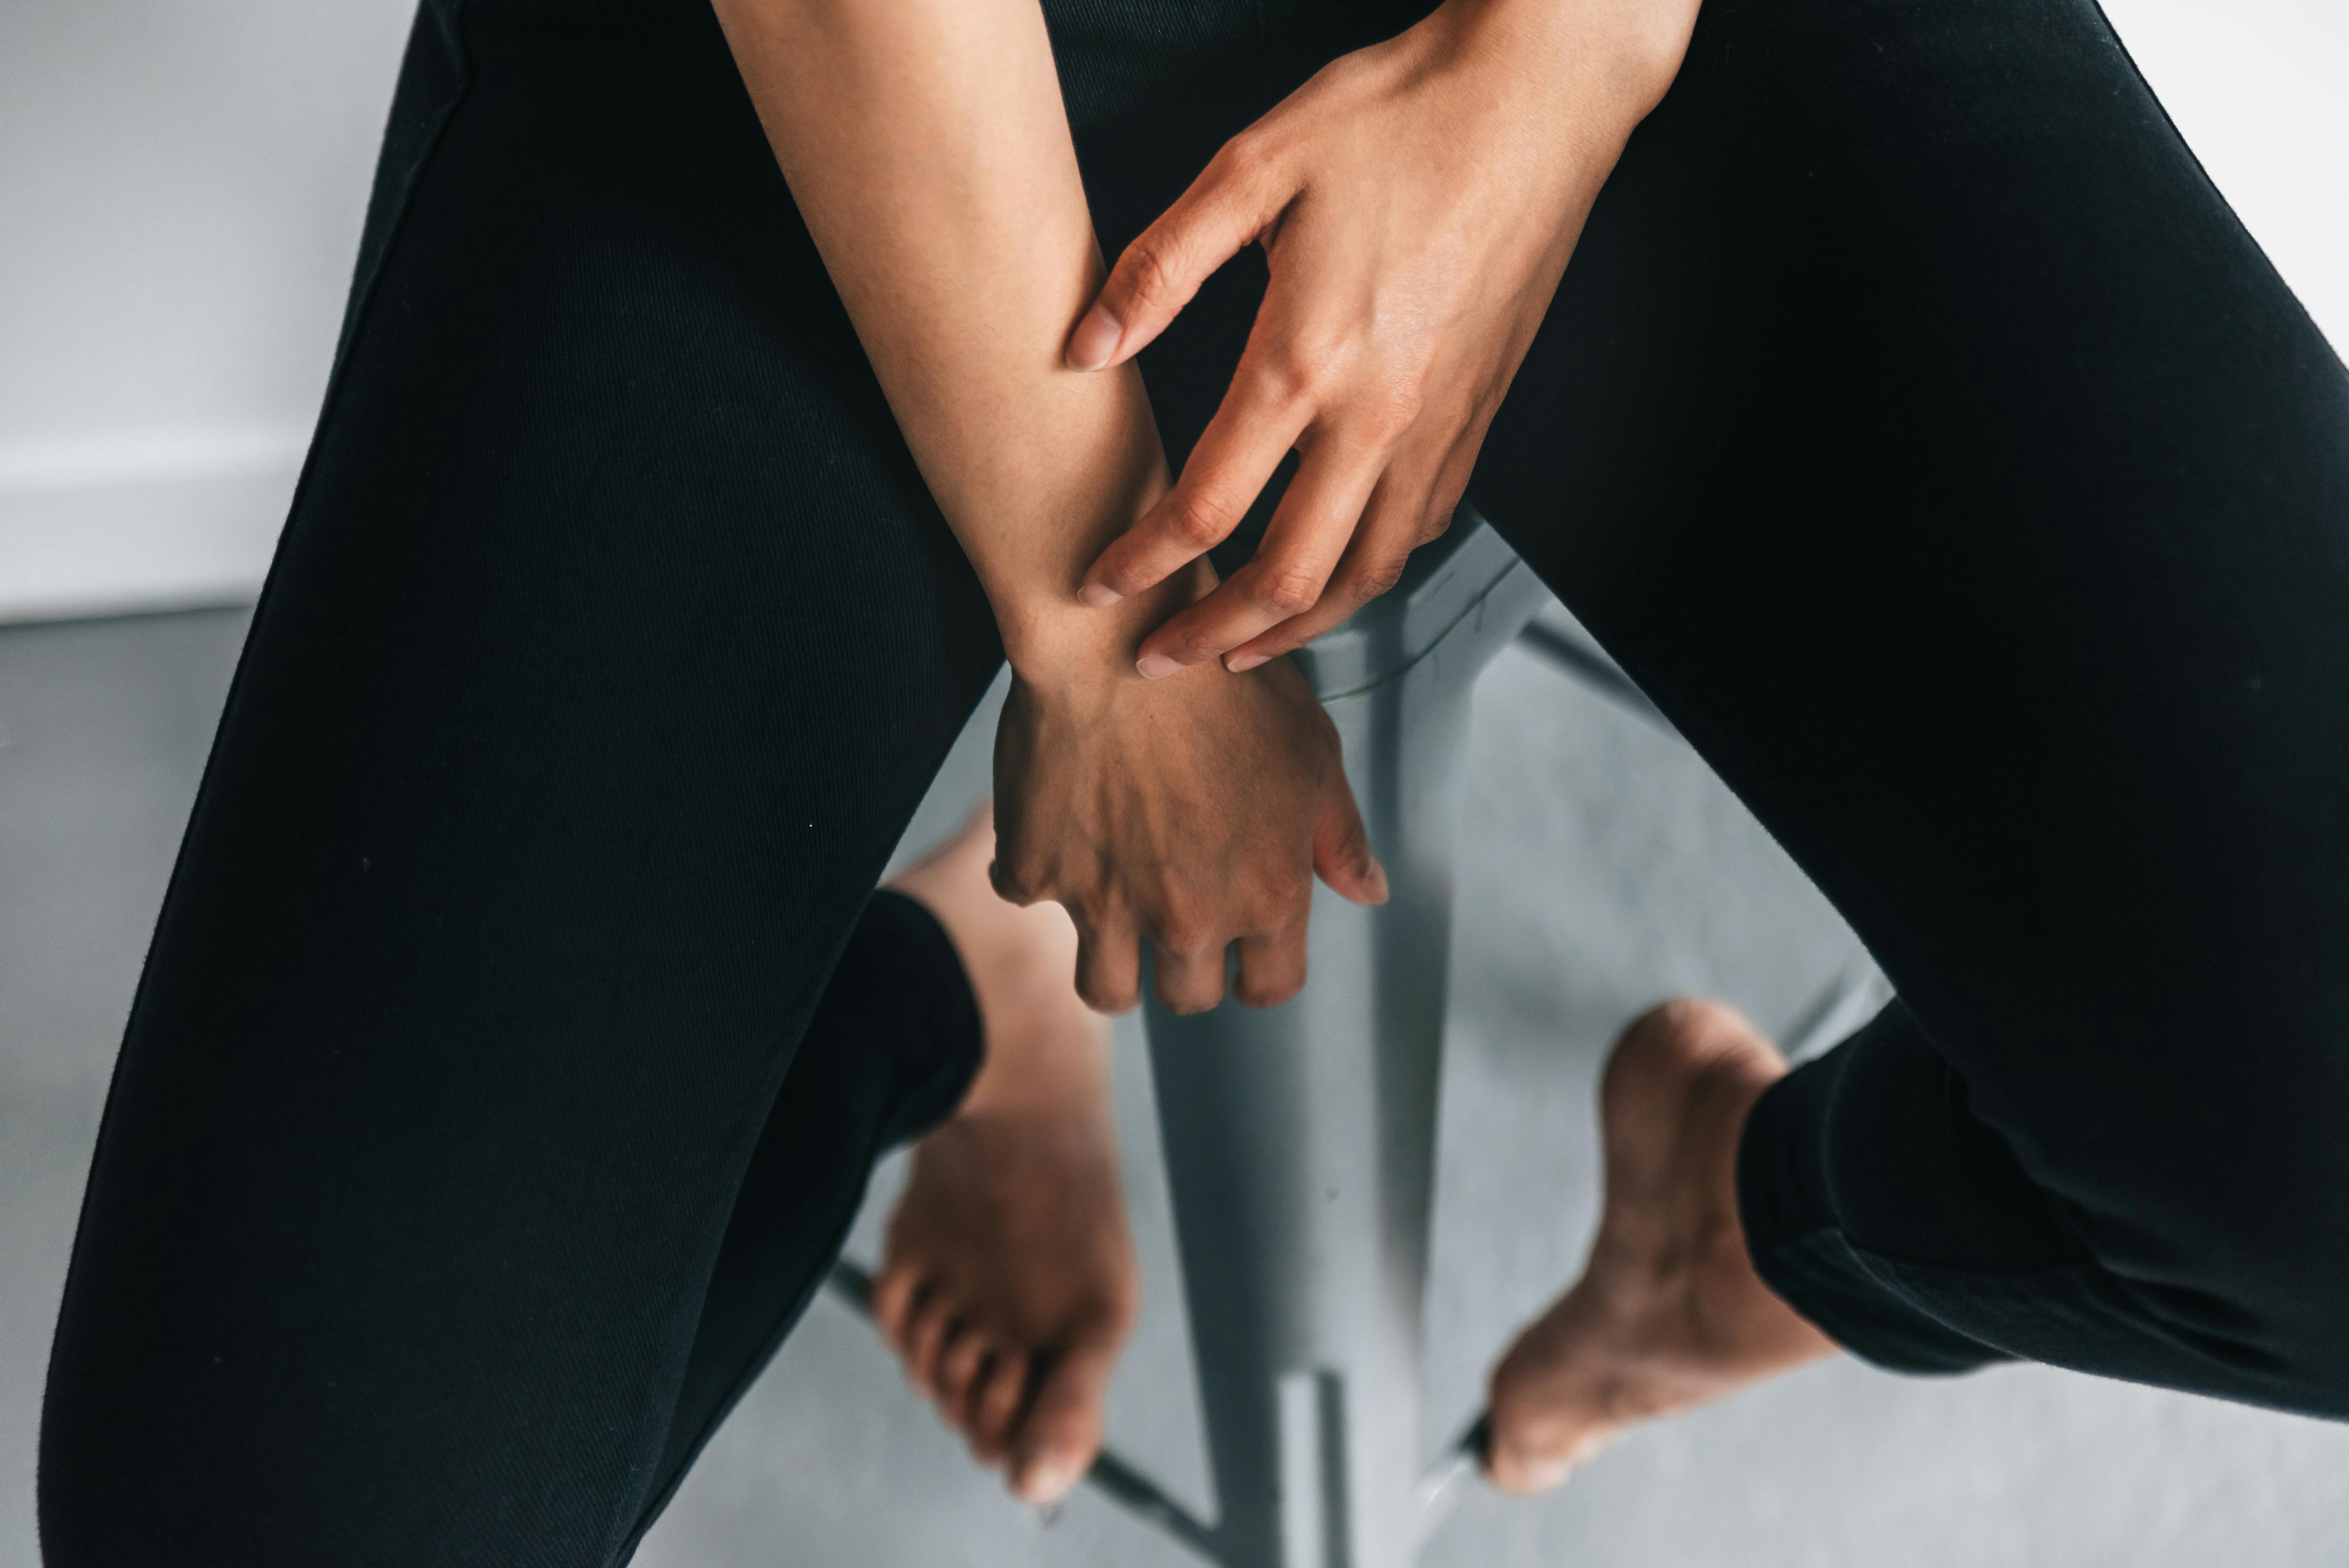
142	521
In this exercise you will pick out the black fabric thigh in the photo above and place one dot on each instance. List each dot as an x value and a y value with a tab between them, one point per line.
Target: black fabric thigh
610	646
1919	427
1915	422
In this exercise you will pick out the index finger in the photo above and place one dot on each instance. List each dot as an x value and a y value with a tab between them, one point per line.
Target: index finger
1109	965
1235	460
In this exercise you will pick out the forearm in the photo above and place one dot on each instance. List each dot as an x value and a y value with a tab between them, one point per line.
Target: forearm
927	148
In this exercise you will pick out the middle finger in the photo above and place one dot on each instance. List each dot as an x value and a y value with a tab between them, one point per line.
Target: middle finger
1373	561
1190	981
1305	541
1271	967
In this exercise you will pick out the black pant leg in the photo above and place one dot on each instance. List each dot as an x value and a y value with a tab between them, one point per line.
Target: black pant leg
1919	426
890	1053
610	646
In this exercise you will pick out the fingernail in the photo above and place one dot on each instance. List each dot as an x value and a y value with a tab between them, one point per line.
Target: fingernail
1095	339
1155	666
1379	880
1099	595
1240	664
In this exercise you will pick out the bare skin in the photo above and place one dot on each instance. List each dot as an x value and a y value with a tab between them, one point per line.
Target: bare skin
1008	1286
1417	202
927	148
1668	1313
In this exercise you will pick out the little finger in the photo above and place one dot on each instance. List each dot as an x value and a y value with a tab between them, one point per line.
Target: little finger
1271	966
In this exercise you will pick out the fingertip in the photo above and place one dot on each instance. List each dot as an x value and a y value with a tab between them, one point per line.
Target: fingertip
1099	596
1262	998
1094	343
1364	885
1157	666
1240	664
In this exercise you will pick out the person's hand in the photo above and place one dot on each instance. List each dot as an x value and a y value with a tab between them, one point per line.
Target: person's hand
1417	203
1194	812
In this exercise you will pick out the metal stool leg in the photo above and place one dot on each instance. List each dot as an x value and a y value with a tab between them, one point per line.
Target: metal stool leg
1300	1141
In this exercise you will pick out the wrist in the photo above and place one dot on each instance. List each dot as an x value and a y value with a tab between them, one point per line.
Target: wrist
1631	50
1057	644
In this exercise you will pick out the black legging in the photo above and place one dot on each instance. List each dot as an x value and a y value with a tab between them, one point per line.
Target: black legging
1915	422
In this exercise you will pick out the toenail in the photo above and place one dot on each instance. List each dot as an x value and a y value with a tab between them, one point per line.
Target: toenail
1541	1478
1049	1481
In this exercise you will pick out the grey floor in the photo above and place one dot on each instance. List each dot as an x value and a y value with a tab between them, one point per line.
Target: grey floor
1603	868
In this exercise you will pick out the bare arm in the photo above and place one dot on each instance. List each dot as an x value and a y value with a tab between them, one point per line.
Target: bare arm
927	146
926	143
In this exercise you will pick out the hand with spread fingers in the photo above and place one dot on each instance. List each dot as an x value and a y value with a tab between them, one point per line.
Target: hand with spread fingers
1417	203
1193	812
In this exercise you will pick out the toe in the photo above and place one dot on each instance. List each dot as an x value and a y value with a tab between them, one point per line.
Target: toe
1054	1447
995	1402
892	1303
926	1336
1548	1410
964	1353
1526	1456
1533	1450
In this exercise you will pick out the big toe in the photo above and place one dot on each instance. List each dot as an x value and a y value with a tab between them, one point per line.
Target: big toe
1550	1410
1527	1455
1057	1442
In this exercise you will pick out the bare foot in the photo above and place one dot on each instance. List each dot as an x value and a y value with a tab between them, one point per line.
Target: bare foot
1668	1313
1008	1286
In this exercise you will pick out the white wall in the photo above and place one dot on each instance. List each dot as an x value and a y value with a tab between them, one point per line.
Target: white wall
181	183
2261	90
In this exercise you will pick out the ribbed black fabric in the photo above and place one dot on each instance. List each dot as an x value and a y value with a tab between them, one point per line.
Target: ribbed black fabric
1915	422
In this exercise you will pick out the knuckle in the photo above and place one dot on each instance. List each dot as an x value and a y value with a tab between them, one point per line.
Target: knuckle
1152	265
1016	885
1298	374
1185	928
1187	935
1391	412
1241	159
1374	578
1286	591
1200	521
1104	998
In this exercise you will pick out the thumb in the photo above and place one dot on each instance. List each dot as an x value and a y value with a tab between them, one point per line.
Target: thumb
1229	204
1342	850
